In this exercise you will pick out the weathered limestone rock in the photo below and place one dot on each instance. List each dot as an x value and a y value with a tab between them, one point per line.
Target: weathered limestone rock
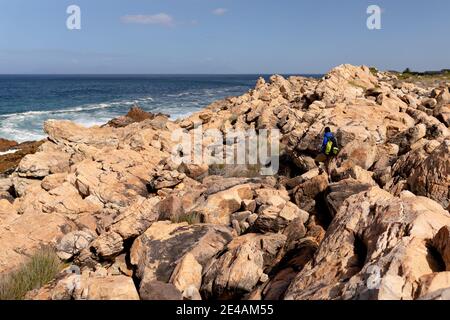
219	206
338	192
294	257
305	194
116	178
65	199
69	133
108	245
362	154
22	236
432	177
349	170
345	83
442	113
87	287
7	212
376	248
194	171
158	251
441	242
432	284
137	218
72	243
274	219
166	179
110	288
187	274
41	164
348	134
53	181
242	266
157	290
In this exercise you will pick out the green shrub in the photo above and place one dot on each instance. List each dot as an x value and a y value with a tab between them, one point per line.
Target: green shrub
357	85
373	71
233	119
216	169
41	268
235	170
252	171
190	218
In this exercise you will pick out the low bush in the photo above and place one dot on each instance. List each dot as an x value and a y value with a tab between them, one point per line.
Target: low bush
190	218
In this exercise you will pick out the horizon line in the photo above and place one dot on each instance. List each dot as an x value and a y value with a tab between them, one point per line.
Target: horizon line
157	74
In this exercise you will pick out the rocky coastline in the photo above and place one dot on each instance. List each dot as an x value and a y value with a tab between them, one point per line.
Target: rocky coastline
372	224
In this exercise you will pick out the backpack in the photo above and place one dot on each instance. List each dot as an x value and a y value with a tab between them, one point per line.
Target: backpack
331	147
328	148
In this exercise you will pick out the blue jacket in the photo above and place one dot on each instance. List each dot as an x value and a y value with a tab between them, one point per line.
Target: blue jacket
328	137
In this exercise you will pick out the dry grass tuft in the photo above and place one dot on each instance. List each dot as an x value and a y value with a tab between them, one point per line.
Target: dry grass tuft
42	267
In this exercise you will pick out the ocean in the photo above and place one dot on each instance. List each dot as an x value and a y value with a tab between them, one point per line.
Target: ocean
26	101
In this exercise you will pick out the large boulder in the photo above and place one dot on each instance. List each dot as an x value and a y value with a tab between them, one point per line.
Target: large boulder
219	206
5	145
377	247
73	242
158	251
358	153
67	133
441	242
307	193
345	83
160	291
110	288
442	113
295	255
72	286
272	218
135	114
187	275
432	177
338	192
23	236
42	164
245	263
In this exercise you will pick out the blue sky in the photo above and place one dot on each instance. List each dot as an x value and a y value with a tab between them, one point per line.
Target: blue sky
221	36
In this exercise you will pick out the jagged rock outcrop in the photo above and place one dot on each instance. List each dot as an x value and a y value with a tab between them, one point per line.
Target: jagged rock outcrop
245	263
12	153
135	114
158	251
372	223
377	247
432	177
87	286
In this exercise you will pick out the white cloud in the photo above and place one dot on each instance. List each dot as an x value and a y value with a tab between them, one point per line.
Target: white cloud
220	11
162	19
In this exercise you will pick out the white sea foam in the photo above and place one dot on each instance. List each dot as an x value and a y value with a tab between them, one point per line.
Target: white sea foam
89	107
26	126
8	152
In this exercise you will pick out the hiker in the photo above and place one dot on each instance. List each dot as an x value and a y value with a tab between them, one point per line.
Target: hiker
329	144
